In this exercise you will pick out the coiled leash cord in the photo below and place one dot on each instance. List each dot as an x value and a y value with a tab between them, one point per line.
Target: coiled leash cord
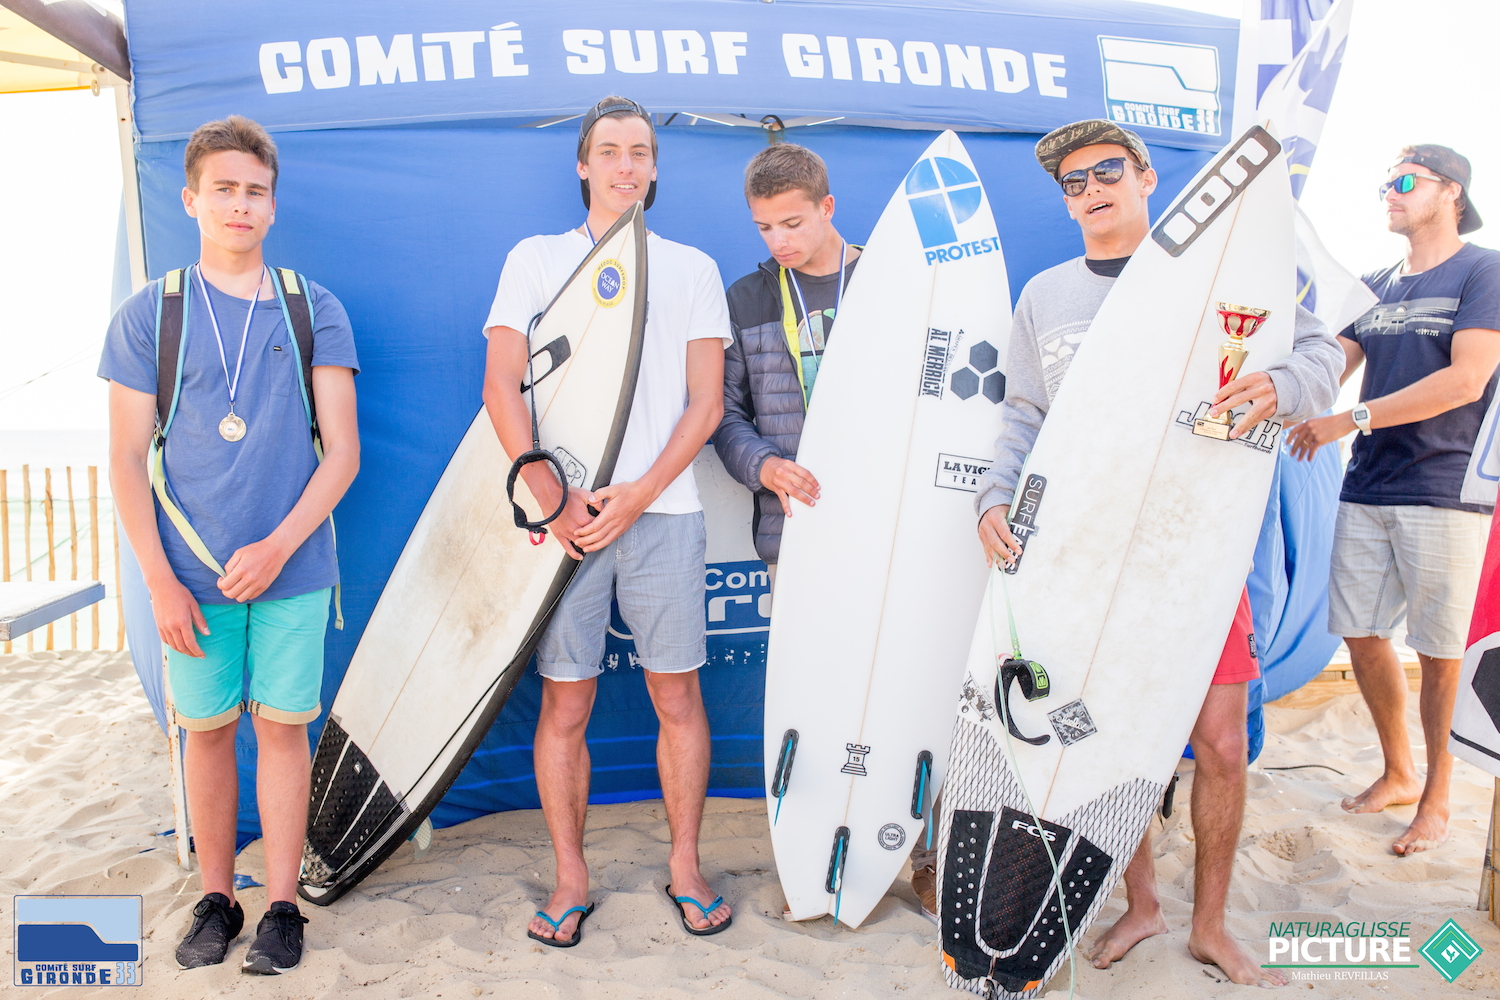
536	529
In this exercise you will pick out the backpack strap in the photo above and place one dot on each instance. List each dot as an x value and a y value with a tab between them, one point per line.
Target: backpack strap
297	310
171	309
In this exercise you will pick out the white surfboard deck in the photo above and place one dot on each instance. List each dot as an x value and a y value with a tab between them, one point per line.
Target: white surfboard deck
1143	538
470	595
878	584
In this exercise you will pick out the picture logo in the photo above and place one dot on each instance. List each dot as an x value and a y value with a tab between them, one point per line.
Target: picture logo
609	283
1162	84
78	941
944	194
1450	950
892	836
982	374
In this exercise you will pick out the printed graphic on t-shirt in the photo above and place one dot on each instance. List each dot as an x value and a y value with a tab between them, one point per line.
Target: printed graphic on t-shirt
1431	317
812	340
1057	347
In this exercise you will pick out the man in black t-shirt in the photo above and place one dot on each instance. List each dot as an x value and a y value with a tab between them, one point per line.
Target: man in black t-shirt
1405	544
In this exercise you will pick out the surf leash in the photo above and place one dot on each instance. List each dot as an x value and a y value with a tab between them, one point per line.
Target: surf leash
537	530
1010	752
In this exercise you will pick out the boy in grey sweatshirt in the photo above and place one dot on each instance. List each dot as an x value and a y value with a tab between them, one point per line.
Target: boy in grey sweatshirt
1106	175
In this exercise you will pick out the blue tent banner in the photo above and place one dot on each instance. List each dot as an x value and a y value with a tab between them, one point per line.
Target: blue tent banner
420	143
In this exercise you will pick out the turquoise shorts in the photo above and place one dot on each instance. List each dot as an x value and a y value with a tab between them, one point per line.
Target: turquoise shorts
278	645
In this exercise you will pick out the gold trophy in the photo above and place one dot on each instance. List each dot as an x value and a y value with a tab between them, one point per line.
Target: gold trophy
1239	322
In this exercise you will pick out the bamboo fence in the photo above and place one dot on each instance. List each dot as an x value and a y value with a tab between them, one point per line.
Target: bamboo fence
58	533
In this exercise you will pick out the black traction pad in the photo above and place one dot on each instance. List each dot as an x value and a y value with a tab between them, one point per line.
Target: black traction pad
963	868
1046	943
1019	875
343	814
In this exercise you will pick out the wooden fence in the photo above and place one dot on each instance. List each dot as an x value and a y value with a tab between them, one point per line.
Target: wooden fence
51	529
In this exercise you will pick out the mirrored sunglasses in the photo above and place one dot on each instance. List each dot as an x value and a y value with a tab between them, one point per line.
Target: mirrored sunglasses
1405	183
1109	171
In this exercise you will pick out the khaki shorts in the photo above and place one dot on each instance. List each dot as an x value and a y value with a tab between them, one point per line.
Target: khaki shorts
1413	562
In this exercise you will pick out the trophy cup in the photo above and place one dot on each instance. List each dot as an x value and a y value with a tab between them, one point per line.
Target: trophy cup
1239	322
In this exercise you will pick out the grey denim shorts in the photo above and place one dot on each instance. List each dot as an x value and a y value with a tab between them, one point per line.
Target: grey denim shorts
655	571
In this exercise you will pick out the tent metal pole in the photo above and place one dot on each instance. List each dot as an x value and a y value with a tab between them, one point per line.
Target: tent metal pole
134	230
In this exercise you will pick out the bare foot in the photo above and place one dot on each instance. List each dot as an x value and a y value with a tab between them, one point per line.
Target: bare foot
564	899
689	882
1427	831
1127	932
1388	790
1219	948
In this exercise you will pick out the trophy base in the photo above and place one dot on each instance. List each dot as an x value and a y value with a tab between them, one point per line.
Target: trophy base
1210	428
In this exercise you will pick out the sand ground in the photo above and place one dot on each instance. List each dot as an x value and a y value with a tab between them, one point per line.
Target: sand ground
83	797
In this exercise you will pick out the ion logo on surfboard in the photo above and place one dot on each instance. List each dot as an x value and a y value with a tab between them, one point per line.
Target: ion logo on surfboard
609	283
1185	221
944	194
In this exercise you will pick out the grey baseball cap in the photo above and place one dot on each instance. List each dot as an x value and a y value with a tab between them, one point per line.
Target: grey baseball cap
1058	143
1455	167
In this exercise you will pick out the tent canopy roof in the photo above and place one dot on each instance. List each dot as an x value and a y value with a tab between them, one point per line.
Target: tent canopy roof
61	45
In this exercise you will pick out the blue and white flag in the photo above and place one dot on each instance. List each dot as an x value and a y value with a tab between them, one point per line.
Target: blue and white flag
1291	52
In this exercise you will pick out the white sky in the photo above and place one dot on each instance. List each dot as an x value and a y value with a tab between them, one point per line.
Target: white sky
1414	72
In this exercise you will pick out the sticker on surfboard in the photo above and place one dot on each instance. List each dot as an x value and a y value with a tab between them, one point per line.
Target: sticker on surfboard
609	282
1231	173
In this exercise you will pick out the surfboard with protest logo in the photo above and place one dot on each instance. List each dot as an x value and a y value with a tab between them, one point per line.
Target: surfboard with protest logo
469	597
1475	736
879	583
1138	536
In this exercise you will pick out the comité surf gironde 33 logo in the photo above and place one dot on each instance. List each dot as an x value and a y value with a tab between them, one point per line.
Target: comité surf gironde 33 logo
944	194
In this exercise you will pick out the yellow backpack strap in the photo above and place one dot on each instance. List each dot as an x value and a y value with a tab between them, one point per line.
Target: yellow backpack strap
174	513
793	340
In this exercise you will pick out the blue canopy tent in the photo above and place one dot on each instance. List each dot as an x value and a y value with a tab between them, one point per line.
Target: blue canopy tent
419	144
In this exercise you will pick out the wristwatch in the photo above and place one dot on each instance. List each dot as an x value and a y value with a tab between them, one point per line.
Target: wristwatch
1361	415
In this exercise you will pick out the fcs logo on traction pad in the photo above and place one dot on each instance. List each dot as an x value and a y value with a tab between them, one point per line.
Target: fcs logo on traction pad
944	193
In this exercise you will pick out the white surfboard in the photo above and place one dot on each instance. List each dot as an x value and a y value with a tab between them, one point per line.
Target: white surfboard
1139	537
879	583
470	595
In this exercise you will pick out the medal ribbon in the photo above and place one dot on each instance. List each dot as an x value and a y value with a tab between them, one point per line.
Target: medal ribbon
239	365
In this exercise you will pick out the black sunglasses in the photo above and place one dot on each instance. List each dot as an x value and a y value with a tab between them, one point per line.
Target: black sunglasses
1109	171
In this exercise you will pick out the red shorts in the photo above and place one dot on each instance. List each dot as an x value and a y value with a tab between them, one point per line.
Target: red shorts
1238	663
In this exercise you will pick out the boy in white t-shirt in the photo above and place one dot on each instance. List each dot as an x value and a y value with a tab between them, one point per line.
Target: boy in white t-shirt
646	546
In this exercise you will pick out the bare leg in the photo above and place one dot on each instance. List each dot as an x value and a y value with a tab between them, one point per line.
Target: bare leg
1383	684
1439	688
682	753
562	781
283	773
1220	748
213	794
1142	917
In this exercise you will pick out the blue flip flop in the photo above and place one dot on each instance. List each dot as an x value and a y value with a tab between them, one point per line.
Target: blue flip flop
677	902
553	942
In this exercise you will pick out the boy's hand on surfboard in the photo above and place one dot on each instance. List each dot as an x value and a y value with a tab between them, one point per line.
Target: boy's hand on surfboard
996	538
787	479
177	614
619	505
1306	438
574	518
1257	389
252	569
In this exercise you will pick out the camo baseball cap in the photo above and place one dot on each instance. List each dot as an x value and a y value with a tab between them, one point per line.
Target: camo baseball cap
1455	167
1058	143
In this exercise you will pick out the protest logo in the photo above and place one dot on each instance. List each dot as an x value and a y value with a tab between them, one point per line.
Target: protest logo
78	941
944	194
1450	950
1165	85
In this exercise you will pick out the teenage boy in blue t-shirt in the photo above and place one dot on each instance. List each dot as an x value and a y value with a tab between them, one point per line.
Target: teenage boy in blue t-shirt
240	466
1405	544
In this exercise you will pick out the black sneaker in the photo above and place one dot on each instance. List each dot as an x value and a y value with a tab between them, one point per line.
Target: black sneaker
278	941
215	925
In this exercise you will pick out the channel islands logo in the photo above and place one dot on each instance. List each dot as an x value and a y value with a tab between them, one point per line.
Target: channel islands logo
609	283
981	374
1450	950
